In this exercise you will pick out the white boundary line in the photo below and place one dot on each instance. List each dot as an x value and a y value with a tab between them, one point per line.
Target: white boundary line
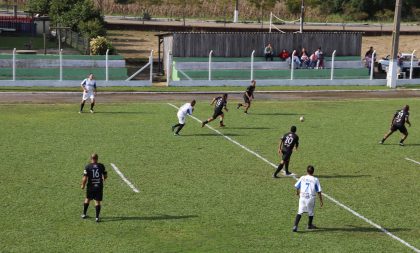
124	178
327	196
411	160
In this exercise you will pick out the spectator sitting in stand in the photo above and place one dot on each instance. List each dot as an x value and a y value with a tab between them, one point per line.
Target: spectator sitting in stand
320	55
304	58
268	52
313	60
284	55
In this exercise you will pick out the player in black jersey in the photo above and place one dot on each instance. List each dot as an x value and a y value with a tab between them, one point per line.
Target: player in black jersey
221	103
287	143
248	96
398	123
94	175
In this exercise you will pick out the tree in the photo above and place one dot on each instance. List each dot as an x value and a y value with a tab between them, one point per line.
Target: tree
79	15
41	7
263	5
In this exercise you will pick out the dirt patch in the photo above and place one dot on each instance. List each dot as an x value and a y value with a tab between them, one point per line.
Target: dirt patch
130	97
382	44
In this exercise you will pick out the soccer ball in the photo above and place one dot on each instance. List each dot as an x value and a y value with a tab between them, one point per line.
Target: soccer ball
302	119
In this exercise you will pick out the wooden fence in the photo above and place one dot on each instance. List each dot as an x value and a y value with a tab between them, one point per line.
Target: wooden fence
242	44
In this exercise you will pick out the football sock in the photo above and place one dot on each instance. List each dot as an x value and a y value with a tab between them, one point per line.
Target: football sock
298	216
402	140
82	105
98	210
311	218
92	105
205	122
383	139
278	169
287	167
177	125
85	208
180	127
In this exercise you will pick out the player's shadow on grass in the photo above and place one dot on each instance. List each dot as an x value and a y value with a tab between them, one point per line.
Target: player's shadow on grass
147	218
352	229
278	114
342	176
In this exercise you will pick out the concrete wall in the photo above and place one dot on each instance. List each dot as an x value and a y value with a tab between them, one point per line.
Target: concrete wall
242	44
50	83
55	63
258	65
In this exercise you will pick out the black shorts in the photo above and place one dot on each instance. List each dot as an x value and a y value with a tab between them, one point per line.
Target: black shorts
286	156
246	99
402	129
217	113
95	193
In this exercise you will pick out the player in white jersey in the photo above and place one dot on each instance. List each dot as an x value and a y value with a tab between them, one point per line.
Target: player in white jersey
186	109
89	91
307	188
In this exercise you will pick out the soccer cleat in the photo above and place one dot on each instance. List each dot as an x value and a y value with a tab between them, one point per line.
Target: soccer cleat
80	111
97	220
275	176
84	216
222	125
239	105
91	111
312	227
246	112
401	144
203	124
381	142
294	229
176	134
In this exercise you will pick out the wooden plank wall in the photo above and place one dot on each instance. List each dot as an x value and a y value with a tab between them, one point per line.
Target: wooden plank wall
240	44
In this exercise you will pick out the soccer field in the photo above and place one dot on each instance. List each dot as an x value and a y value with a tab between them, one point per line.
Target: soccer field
199	192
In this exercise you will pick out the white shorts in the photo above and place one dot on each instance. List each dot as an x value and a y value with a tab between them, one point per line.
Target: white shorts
307	205
88	94
181	118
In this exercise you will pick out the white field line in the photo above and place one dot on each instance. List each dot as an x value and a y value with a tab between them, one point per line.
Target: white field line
124	178
411	160
327	196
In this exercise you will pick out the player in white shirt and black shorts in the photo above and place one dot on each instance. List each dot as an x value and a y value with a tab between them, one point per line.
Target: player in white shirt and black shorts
89	91
183	111
307	188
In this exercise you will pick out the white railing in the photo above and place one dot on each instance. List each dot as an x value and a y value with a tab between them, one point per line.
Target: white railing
252	65
210	54
411	64
332	64
372	64
14	65
292	65
61	64
106	66
168	67
150	63
282	21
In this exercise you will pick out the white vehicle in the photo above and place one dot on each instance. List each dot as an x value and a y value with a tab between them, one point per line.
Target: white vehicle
404	63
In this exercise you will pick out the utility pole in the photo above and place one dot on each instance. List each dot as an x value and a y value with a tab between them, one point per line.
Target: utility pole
393	65
236	13
302	14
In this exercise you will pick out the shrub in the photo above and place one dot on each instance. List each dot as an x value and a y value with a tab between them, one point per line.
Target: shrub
99	45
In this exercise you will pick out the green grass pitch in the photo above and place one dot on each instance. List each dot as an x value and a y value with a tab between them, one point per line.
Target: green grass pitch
200	192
